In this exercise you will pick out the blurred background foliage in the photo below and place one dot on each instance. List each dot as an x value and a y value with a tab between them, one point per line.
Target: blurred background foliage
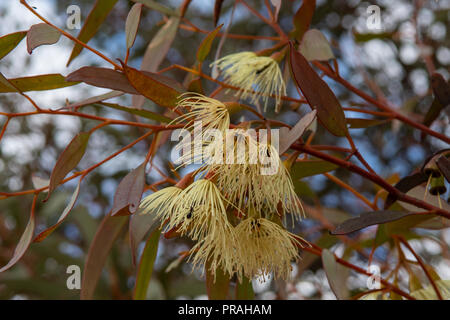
390	59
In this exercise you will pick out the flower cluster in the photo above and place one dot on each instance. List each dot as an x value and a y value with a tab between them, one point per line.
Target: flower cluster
236	208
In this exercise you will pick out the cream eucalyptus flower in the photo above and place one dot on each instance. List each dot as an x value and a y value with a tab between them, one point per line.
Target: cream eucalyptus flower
254	75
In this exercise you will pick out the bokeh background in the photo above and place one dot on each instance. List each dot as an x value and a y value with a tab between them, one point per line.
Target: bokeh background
392	59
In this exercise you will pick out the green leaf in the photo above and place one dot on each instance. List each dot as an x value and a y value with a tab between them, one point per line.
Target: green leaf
68	160
145	268
244	290
315	46
24	242
318	94
129	192
104	238
139	112
44	234
368	219
132	24
95	18
364	37
302	19
307	168
41	34
205	46
140	225
37	83
336	274
217	286
359	123
10	41
158	7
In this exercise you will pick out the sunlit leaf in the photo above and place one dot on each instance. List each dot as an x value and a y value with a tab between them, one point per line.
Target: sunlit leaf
157	6
288	137
132	24
336	274
428	293
24	242
205	46
315	46
10	41
41	34
37	83
44	234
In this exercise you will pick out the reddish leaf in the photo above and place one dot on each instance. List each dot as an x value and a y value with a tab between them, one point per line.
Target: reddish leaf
104	238
157	50
145	268
205	46
153	87
41	34
302	19
96	17
318	94
24	242
103	78
217	9
44	234
129	192
10	41
443	164
68	160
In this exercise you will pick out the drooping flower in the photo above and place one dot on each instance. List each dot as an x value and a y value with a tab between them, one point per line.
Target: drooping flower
211	112
208	118
265	247
256	176
252	73
199	211
158	202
